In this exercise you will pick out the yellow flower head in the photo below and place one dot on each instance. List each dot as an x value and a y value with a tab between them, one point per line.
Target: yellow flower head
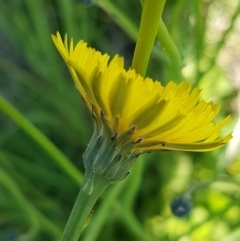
141	111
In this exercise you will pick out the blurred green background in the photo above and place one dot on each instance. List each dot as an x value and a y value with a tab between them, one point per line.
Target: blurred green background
40	181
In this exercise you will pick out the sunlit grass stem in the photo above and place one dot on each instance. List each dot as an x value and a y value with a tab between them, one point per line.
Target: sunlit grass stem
162	35
151	14
103	212
83	207
167	44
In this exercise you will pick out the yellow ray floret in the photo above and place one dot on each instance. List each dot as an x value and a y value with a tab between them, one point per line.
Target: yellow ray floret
166	118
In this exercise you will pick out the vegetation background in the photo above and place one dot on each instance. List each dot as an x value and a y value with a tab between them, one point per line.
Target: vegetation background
39	181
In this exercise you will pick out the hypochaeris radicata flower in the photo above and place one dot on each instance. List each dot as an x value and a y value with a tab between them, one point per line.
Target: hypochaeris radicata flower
134	115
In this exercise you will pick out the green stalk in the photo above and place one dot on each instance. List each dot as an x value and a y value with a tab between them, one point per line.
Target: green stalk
173	52
41	140
151	14
83	206
103	212
162	35
176	13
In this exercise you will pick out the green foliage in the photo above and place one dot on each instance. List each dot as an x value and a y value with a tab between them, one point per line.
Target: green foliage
39	183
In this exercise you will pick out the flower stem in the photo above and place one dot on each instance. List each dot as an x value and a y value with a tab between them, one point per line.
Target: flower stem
104	211
83	206
151	14
173	52
41	140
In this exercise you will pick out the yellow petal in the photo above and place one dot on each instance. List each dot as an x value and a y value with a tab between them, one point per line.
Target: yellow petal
164	118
